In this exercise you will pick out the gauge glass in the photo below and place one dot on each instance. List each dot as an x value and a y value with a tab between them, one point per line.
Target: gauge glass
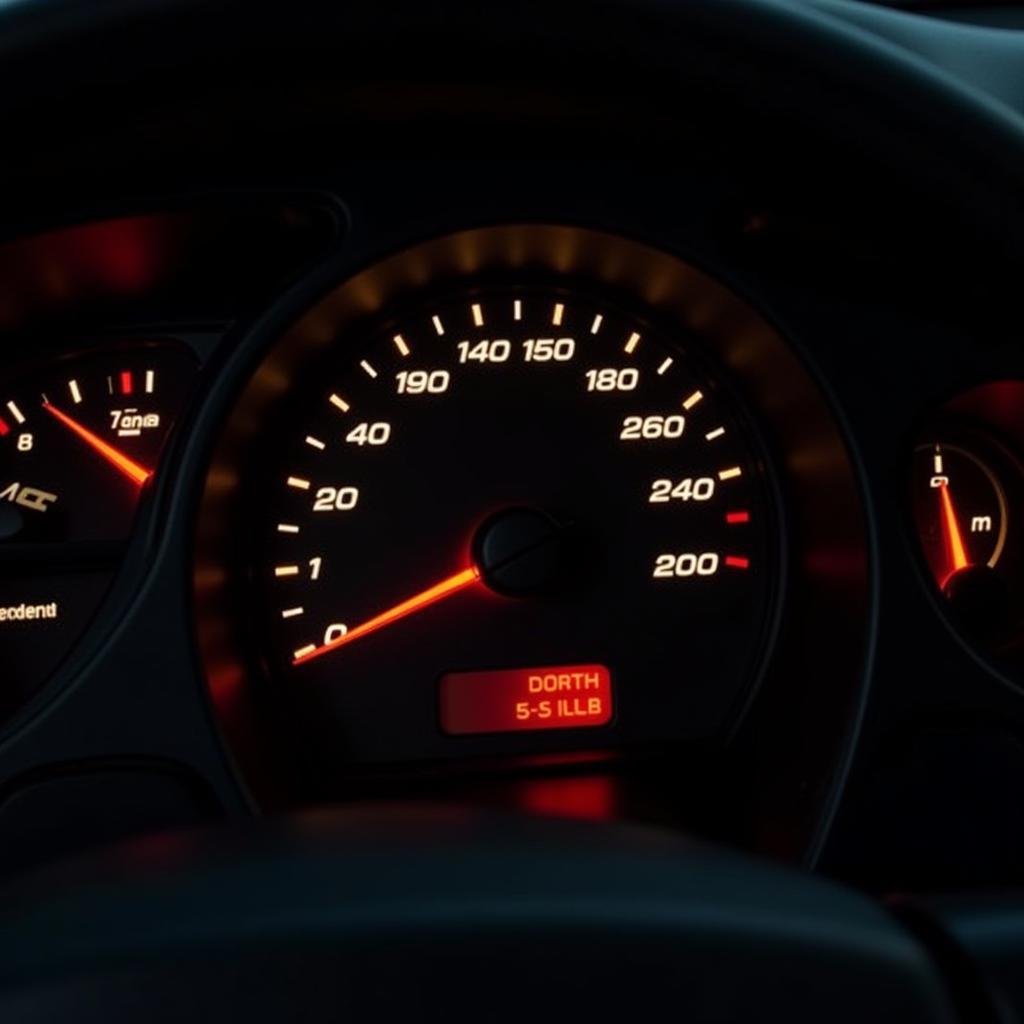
966	490
80	440
513	510
960	508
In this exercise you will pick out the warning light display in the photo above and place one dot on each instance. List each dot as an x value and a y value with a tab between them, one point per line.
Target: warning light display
513	700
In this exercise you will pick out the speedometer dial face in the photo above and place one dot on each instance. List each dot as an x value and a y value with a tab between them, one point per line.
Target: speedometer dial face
514	518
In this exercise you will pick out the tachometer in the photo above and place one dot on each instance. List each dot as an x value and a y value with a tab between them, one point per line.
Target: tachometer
80	439
513	508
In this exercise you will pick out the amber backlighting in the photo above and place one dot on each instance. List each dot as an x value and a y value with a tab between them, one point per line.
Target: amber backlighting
514	700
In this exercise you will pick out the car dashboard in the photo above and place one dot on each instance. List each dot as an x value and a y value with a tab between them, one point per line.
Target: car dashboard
639	447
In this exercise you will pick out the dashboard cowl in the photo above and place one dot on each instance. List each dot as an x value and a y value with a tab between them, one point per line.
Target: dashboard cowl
490	916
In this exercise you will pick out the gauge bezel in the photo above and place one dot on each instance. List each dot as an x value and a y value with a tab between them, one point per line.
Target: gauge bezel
101	557
618	734
974	420
957	445
807	446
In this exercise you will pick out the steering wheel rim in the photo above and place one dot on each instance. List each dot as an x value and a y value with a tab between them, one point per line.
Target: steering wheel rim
468	914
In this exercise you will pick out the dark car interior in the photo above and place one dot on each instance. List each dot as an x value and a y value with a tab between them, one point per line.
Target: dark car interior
512	511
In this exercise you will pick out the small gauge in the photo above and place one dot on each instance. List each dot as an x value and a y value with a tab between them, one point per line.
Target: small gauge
80	440
965	497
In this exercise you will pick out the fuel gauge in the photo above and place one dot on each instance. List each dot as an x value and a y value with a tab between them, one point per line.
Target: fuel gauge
961	511
966	495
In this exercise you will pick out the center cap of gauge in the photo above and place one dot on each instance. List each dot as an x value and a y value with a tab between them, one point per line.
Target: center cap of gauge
519	551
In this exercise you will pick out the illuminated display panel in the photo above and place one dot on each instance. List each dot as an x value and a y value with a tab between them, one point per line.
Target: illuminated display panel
515	700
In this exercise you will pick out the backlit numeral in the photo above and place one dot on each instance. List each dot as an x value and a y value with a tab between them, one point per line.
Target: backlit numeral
652	428
547	350
687	564
496	351
701	488
335	631
423	382
369	433
611	379
336	499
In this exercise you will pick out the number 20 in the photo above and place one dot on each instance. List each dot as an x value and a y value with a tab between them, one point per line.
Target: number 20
336	499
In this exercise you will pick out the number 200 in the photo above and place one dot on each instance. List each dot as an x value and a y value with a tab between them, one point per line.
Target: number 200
672	566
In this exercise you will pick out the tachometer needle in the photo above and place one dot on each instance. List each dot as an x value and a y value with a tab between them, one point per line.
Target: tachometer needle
416	603
955	549
131	469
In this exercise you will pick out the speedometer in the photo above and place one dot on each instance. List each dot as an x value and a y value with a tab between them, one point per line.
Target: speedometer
513	514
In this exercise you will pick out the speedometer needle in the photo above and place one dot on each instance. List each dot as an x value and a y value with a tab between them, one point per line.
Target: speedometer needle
130	468
955	549
416	603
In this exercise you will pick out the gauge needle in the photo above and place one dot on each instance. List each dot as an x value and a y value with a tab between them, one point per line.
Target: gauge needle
416	603
955	549
131	469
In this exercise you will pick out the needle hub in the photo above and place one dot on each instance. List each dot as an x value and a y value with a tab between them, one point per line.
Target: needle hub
519	551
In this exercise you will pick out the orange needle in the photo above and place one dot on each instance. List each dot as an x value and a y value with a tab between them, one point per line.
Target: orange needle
425	598
951	528
132	470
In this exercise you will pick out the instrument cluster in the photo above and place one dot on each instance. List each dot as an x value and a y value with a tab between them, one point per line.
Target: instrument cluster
576	519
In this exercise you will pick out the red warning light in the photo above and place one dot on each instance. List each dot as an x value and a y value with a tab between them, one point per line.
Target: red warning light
513	700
